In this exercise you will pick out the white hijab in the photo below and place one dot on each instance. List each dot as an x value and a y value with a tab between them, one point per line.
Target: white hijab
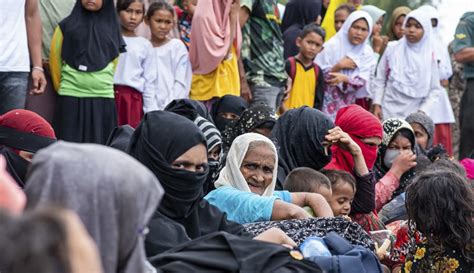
441	50
231	175
410	64
339	46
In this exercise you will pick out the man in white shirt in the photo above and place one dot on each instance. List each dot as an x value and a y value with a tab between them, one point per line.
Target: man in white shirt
20	42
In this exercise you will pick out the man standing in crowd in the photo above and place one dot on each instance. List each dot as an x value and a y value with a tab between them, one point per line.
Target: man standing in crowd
20	29
263	76
463	48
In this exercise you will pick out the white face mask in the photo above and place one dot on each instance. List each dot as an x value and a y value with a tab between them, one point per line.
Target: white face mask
389	157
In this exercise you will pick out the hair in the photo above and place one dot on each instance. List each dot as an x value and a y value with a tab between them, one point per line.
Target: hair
38	237
350	8
448	165
305	179
339	177
440	204
312	28
124	4
160	5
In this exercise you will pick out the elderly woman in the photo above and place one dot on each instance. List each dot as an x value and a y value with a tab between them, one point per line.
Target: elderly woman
245	188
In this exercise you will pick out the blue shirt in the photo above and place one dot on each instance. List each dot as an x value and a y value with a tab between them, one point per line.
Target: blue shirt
245	207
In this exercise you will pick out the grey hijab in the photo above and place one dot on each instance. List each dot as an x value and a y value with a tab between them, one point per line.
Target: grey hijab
113	194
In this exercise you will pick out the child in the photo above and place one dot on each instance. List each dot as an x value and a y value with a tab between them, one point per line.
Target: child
136	70
407	74
83	49
347	60
172	59
440	205
305	179
343	187
185	21
306	77
341	14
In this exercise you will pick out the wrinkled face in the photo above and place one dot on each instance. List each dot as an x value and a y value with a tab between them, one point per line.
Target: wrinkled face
92	5
340	17
310	45
193	160
413	31
421	135
257	168
398	27
132	16
378	26
341	199
358	32
160	24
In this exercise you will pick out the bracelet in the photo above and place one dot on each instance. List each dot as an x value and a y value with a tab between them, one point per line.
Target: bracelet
38	68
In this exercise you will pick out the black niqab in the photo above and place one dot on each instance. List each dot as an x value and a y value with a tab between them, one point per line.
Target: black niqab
91	40
227	104
189	108
299	134
160	138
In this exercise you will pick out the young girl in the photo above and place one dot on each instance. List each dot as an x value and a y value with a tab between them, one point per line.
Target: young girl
343	187
83	49
136	71
395	26
407	75
440	205
346	61
172	59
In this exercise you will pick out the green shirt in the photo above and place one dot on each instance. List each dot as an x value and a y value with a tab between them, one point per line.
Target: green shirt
262	45
52	12
464	38
98	84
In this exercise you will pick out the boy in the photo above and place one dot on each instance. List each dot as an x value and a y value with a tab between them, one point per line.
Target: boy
343	187
306	81
308	180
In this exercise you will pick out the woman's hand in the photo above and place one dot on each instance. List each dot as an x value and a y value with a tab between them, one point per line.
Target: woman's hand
377	111
340	138
347	63
402	163
276	236
337	78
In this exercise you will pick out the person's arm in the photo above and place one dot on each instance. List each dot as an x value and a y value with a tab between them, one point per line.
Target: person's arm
244	15
378	86
183	73
34	34
150	74
283	211
319	96
55	60
234	15
364	199
315	201
465	55
276	236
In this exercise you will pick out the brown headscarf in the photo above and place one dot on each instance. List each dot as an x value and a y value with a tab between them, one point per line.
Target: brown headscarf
395	14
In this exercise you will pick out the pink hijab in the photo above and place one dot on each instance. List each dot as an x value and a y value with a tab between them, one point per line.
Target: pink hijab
210	35
468	165
12	198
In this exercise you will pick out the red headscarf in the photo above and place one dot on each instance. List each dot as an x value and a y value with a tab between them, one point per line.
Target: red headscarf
28	122
359	124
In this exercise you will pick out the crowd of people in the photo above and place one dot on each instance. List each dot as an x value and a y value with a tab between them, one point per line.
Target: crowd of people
142	136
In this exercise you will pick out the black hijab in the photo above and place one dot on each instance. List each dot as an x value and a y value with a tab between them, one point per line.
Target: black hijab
299	134
227	104
91	39
120	137
160	138
189	108
300	13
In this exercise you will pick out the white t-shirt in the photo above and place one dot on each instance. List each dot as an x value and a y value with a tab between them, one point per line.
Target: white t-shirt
14	54
137	69
174	73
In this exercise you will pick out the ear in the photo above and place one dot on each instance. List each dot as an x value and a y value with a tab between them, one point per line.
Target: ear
299	41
